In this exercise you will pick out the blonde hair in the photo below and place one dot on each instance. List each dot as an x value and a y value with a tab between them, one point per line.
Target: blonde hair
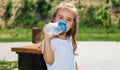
73	31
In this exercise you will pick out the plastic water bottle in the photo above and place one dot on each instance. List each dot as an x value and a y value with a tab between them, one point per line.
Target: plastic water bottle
56	28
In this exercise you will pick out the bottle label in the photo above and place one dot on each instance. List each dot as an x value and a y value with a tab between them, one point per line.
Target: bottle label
56	28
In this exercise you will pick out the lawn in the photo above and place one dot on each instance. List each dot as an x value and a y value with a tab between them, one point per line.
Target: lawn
84	34
98	37
15	35
7	65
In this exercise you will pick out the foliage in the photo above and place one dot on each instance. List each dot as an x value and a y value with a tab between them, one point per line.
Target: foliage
89	18
96	16
103	16
6	65
43	7
79	6
28	5
119	24
116	2
8	12
107	1
26	17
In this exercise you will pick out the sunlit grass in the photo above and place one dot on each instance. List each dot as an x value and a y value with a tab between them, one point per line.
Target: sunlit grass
84	34
7	65
98	37
16	35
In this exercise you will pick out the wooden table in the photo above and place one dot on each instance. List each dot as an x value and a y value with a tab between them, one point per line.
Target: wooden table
30	57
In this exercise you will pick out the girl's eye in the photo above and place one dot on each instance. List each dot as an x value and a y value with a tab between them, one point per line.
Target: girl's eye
60	17
70	20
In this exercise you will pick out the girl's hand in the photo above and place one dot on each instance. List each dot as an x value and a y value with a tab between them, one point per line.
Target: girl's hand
46	35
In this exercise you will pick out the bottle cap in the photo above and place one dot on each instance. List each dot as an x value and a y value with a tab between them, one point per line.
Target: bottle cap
62	23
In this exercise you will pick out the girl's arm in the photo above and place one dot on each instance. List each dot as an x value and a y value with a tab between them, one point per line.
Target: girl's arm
48	53
76	65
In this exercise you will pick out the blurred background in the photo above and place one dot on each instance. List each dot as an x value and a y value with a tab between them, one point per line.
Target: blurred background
98	20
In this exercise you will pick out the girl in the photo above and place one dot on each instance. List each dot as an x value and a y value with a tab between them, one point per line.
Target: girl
59	50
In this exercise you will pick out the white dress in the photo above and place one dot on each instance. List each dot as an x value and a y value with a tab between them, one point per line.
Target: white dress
63	53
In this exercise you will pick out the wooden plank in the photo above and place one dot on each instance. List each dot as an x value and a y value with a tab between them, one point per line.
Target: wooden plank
34	49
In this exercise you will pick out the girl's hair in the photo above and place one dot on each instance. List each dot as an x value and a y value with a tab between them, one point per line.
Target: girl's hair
73	31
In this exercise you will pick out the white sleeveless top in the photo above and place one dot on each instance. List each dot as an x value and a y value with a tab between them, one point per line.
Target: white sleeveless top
63	53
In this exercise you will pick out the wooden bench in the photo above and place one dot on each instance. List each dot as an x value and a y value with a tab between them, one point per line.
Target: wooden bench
34	49
30	56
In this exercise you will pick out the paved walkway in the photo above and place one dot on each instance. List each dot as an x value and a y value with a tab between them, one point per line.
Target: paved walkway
92	55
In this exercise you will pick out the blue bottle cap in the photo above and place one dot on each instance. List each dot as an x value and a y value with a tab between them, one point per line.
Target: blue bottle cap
61	23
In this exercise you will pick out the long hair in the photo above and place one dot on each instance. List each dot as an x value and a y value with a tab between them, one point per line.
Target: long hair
73	31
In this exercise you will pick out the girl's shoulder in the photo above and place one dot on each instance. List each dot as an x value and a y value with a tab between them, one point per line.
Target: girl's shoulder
58	39
53	38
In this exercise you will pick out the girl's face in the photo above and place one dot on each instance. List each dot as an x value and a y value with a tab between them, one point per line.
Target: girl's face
64	14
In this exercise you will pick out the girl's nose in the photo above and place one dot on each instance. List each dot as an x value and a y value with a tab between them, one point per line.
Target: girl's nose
64	20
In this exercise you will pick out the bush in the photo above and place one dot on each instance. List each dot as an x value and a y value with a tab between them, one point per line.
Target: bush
42	8
90	19
27	17
116	2
8	12
119	24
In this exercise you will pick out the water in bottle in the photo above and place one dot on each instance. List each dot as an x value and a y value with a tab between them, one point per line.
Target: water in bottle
56	28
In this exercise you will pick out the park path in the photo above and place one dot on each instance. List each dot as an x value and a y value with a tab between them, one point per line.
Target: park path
92	55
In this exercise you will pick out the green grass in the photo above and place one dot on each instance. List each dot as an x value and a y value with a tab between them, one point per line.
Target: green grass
98	34
15	35
7	65
84	34
98	37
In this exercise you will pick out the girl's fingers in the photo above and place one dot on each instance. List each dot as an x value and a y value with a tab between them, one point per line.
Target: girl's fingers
56	35
48	35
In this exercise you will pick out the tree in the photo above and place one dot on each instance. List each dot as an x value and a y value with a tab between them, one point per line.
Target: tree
42	9
7	14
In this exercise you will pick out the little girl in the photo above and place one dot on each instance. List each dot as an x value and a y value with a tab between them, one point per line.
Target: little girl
59	50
